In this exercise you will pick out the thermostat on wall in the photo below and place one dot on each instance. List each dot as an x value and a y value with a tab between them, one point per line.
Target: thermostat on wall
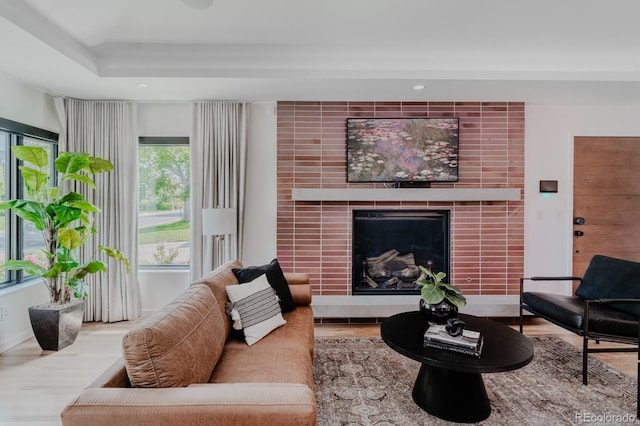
548	186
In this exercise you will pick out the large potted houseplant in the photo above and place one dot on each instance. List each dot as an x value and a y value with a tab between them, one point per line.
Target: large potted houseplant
439	301
65	219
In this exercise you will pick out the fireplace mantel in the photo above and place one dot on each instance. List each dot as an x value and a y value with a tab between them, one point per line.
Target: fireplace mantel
405	194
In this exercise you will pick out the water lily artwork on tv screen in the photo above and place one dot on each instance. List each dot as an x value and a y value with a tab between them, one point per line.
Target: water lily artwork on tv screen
402	149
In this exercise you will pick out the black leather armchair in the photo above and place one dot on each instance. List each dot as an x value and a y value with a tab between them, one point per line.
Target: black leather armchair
606	306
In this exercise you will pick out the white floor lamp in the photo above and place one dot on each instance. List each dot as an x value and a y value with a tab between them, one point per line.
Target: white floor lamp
219	222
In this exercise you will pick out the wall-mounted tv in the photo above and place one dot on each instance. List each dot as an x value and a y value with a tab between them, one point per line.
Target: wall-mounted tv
402	149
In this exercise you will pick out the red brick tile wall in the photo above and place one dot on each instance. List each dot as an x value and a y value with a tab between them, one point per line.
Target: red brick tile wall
487	238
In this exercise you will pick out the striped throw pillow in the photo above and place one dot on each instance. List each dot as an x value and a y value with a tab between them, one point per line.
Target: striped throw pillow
256	309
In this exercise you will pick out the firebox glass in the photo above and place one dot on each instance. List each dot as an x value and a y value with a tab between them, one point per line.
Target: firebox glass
389	246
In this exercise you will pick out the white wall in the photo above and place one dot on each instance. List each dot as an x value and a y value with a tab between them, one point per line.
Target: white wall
261	207
24	104
549	137
165	119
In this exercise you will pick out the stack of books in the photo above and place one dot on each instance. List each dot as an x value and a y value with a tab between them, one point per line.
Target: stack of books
469	342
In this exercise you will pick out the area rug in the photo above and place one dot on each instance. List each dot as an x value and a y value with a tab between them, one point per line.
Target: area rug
361	381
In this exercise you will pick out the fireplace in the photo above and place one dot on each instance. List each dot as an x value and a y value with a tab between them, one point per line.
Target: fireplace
388	246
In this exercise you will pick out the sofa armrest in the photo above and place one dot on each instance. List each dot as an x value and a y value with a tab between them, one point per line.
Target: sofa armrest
296	278
553	279
301	294
113	377
212	403
299	287
523	279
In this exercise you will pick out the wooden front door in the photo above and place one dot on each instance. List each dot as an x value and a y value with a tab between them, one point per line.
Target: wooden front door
606	194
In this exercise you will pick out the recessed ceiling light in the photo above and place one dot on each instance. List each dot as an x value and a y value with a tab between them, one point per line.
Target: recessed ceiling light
419	87
143	85
198	4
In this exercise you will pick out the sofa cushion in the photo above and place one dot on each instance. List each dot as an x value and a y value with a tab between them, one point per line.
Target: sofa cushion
609	278
567	310
276	279
217	280
297	333
177	345
264	364
255	309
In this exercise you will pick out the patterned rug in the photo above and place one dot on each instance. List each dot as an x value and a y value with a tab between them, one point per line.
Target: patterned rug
361	381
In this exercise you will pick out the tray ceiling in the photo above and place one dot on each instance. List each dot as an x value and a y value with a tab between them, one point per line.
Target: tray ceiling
573	51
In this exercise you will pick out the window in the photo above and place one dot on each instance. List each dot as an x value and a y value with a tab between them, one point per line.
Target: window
32	239
4	196
163	215
19	240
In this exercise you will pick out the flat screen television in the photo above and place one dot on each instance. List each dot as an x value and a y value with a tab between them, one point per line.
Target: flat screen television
402	149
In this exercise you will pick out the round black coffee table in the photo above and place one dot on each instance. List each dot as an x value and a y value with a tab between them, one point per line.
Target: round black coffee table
449	385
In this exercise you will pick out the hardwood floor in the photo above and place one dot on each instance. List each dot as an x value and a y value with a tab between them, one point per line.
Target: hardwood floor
35	385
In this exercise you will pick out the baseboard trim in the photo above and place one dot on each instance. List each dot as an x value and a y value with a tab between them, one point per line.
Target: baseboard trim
15	340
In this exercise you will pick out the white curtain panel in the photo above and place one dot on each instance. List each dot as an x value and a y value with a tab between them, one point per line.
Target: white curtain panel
218	169
108	129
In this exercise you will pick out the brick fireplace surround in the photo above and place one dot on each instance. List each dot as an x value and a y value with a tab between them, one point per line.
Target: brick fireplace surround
487	237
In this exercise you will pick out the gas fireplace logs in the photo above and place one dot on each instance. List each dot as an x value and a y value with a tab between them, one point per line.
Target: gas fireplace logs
390	270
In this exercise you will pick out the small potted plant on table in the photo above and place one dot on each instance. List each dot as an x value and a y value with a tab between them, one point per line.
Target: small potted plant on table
439	301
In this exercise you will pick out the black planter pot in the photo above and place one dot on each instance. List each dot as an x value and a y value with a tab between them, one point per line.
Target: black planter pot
439	313
56	326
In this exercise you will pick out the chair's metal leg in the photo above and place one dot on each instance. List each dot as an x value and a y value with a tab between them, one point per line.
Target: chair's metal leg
521	320
520	304
585	341
638	376
585	351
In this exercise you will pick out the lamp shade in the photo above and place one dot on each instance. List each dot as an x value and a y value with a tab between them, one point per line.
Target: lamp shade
218	221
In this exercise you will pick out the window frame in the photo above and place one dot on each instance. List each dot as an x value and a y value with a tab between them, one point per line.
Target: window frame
16	134
162	141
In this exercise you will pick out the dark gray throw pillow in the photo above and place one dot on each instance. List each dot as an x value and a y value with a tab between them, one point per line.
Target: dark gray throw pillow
276	279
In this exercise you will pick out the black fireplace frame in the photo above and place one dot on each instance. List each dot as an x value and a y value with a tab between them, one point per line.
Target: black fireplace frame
373	214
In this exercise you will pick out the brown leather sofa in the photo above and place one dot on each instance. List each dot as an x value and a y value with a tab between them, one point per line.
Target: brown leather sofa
191	370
